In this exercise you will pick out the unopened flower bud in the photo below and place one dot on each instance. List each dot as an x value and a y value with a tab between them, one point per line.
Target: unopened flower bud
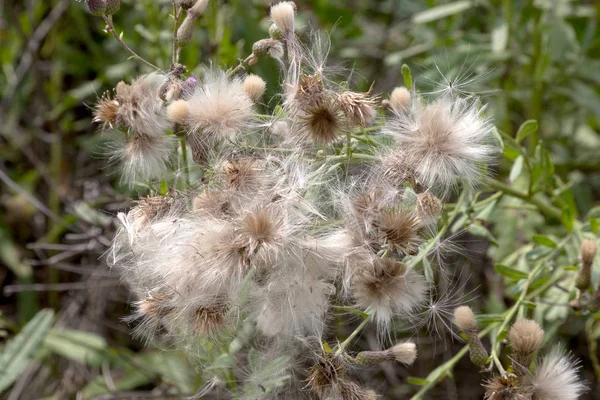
465	320
112	6
268	47
97	7
186	4
198	8
184	33
588	253
526	337
254	87
400	98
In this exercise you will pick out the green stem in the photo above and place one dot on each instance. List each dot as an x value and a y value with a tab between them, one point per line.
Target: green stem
351	337
184	162
541	203
111	29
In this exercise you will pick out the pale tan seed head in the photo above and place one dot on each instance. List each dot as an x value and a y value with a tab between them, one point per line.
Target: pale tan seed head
406	352
400	99
106	112
400	230
464	318
282	15
254	87
178	111
526	336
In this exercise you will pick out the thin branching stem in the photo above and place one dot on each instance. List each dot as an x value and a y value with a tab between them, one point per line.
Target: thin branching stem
111	28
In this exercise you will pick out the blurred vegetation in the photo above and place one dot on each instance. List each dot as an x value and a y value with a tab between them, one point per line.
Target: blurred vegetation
537	64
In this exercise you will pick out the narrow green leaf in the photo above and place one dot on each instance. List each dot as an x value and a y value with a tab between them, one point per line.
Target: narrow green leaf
510	272
407	76
544	241
527	128
18	351
326	348
516	169
441	11
502	335
530	304
417	381
84	347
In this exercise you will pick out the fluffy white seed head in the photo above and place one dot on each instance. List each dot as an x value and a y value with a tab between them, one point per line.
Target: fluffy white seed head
219	110
464	318
254	87
445	142
406	352
556	378
140	108
143	158
282	15
389	288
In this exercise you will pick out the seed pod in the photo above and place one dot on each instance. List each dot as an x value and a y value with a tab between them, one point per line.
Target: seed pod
112	6
268	47
97	7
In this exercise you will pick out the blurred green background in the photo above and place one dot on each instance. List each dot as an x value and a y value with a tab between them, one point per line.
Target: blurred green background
528	59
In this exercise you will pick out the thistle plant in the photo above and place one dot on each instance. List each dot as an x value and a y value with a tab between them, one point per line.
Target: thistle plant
255	233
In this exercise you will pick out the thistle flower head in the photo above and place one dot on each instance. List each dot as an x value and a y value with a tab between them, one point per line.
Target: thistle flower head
556	378
325	373
268	47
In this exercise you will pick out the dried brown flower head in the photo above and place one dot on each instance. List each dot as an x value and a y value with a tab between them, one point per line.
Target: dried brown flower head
209	318
358	108
321	123
505	387
399	228
151	208
328	370
246	174
106	111
262	227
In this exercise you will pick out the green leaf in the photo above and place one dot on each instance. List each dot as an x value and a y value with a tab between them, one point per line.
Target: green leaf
9	254
84	347
594	225
18	351
441	11
516	169
407	76
326	348
527	128
510	272
417	381
544	241
502	335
